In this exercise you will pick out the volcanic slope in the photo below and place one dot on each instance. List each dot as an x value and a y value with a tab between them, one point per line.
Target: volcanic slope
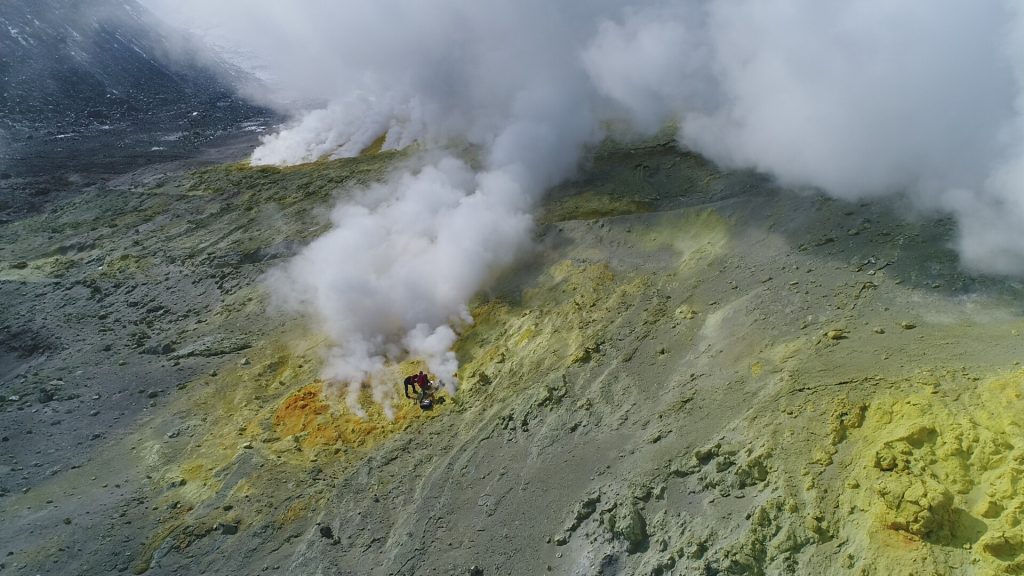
694	372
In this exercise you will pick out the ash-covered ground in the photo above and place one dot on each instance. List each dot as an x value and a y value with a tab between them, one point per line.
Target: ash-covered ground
94	90
695	372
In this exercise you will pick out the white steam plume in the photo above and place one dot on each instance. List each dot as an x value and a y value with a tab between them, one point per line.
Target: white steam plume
394	275
862	98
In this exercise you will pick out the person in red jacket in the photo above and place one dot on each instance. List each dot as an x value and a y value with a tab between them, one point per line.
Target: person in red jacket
426	397
423	381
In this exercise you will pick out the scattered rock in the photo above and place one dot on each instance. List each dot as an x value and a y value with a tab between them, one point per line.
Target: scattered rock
917	505
989	508
327	532
684	467
1003	545
584	509
628	524
752	472
817	528
886	460
704	455
879	330
229	529
907	325
44	396
686	312
475	570
836	334
159	349
212	346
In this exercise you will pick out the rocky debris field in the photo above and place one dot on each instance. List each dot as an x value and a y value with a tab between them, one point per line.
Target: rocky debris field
94	89
694	372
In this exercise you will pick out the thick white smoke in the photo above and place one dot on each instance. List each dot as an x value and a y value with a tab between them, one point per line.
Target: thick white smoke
395	272
393	277
861	98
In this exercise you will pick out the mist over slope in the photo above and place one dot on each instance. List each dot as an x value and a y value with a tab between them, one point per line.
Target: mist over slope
922	101
67	64
104	86
860	99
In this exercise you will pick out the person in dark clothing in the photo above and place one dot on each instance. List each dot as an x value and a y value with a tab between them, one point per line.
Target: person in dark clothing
410	382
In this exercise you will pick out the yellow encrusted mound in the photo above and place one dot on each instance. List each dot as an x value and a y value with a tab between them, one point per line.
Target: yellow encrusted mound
939	473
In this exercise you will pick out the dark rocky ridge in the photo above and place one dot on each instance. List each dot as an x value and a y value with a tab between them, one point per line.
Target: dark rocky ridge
98	88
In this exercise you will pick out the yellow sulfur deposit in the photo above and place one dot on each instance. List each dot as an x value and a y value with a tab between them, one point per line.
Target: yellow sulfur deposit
936	476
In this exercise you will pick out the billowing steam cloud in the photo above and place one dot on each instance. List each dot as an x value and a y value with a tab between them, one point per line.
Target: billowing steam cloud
394	274
861	98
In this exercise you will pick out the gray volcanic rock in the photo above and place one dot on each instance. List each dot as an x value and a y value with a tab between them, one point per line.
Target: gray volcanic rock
68	65
95	88
217	345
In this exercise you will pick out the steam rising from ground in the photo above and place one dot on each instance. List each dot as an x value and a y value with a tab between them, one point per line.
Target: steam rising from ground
862	99
395	272
393	277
